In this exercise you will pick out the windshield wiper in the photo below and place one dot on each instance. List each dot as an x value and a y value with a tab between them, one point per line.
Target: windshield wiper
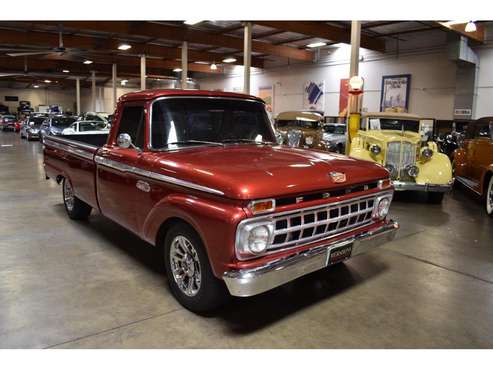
246	141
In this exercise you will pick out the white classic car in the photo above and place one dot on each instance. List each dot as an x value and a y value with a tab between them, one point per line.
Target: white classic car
87	128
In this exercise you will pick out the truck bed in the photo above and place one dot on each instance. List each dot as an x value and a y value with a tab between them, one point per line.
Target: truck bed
97	140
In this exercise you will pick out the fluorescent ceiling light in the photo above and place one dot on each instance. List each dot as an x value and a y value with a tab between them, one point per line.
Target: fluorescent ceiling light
200	62
470	27
124	47
47	81
229	60
316	44
452	23
36	86
65	71
177	70
213	66
191	23
87	61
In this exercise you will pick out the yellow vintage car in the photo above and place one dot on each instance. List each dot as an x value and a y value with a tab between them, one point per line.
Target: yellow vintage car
403	143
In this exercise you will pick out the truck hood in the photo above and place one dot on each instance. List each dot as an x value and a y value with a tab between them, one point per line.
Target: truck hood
256	172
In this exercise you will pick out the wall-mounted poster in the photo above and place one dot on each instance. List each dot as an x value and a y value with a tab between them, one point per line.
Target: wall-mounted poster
313	95
266	93
395	92
343	96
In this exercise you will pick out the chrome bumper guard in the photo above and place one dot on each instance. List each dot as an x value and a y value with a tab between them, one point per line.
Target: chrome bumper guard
249	282
436	188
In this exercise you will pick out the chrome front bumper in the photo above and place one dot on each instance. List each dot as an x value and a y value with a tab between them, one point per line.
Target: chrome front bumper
249	282
437	188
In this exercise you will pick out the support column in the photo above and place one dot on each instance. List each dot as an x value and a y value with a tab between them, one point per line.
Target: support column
113	83
354	101
247	56
142	72
184	64
93	91
77	95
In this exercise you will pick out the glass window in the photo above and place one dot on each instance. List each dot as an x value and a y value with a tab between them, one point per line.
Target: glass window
181	120
482	130
132	122
62	121
393	124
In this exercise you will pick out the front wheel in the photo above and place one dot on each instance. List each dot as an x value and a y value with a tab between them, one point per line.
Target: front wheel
76	208
189	273
489	198
435	198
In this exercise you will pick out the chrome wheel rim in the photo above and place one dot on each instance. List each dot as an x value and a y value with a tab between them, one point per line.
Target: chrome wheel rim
185	266
68	195
489	197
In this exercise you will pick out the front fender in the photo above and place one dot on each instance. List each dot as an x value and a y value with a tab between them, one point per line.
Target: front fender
215	221
437	170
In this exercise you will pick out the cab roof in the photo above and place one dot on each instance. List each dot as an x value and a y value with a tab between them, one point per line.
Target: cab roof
299	116
392	115
153	94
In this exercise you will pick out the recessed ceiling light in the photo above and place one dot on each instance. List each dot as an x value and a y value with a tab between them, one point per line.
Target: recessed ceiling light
177	70
123	82
229	60
88	61
65	71
213	66
47	81
471	27
36	86
316	44
200	62
124	47
191	23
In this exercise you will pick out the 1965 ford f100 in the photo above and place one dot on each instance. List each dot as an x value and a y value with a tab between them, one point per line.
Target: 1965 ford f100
199	175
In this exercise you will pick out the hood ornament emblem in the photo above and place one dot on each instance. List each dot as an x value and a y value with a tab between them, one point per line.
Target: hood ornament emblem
337	177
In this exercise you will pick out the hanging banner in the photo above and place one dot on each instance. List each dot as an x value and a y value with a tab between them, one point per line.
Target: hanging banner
266	93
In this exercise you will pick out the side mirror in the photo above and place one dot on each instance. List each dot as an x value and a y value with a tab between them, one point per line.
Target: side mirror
124	141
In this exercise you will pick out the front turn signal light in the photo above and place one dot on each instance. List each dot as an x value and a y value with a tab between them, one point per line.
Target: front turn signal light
262	206
384	184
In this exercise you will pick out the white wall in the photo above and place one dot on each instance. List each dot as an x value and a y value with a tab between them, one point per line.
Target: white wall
484	85
65	98
432	81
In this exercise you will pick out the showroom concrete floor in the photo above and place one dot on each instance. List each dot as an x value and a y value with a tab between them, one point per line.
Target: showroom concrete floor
94	285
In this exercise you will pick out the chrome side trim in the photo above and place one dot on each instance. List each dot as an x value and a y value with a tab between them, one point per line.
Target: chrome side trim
70	149
470	184
249	282
71	142
153	175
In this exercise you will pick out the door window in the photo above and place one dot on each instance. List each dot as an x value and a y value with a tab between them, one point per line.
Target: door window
132	122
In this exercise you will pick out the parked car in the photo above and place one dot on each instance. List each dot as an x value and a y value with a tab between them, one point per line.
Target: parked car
448	143
31	127
401	143
54	125
473	161
198	174
93	116
87	128
8	122
335	136
301	129
18	124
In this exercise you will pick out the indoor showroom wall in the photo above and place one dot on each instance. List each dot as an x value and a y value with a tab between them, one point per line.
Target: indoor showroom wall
484	84
432	81
64	98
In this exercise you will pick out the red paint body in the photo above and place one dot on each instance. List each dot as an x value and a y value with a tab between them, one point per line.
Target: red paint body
241	172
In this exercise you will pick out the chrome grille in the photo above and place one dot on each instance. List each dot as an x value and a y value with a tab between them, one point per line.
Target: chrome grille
294	138
398	158
306	225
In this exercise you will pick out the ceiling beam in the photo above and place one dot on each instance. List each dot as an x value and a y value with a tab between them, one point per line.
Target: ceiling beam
98	44
167	32
460	28
324	31
415	30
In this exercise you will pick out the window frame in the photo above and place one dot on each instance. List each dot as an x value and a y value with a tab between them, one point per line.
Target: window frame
151	105
141	104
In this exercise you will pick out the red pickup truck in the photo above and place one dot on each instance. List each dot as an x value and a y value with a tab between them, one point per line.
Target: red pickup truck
199	175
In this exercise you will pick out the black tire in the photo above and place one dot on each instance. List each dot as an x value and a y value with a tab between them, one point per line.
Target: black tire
77	209
211	292
435	198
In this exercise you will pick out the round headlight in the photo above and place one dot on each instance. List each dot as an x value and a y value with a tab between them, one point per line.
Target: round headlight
309	140
392	170
427	153
412	170
258	239
375	149
382	208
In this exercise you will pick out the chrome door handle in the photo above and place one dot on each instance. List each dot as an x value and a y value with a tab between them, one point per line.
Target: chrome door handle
143	186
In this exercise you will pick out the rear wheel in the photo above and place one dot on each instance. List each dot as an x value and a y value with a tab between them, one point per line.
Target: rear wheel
435	198
76	208
489	197
189	273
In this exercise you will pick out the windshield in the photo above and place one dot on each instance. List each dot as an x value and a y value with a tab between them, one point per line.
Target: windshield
62	121
36	121
183	121
8	117
393	124
298	123
91	126
335	129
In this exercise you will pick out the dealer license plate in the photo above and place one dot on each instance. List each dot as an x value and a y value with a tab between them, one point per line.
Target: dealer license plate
340	254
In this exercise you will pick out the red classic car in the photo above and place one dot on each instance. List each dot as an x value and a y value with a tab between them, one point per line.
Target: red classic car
199	175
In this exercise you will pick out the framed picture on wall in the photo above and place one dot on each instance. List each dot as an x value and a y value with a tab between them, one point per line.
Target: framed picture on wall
313	96
395	93
266	93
